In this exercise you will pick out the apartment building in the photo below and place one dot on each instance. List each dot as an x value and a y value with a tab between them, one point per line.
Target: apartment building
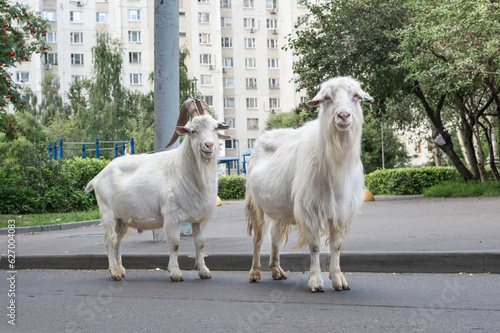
236	58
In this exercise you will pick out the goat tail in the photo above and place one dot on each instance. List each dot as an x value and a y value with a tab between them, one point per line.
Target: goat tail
90	186
255	218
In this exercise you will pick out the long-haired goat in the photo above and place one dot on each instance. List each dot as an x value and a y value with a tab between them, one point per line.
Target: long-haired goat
162	190
311	177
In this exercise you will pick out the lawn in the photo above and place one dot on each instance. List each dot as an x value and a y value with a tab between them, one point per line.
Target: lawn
463	190
50	218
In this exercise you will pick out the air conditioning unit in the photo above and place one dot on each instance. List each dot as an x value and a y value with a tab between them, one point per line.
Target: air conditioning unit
211	67
47	66
252	30
79	3
223	70
274	10
275	31
273	111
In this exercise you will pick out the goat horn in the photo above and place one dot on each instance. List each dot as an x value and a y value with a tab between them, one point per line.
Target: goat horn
182	121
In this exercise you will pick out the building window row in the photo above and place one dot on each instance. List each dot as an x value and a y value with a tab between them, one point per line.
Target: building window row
77	16
77	37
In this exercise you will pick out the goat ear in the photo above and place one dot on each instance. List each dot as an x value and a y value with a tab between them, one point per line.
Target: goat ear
222	136
364	96
222	126
315	101
181	130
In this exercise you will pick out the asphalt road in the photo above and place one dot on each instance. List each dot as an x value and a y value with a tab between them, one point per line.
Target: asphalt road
146	301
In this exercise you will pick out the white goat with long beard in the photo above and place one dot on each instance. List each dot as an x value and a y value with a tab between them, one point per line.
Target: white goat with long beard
162	190
311	177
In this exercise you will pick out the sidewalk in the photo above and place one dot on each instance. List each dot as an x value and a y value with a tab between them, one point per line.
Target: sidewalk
392	234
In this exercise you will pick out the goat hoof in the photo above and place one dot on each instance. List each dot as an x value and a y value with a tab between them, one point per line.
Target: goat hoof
176	278
205	276
116	277
254	276
339	282
278	273
317	289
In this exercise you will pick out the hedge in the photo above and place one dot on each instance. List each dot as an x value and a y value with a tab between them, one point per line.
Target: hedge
231	187
48	186
406	181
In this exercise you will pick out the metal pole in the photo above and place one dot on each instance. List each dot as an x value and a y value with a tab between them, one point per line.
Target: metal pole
382	139
123	148
50	149
60	149
55	150
132	146
96	148
166	71
83	150
166	77
116	150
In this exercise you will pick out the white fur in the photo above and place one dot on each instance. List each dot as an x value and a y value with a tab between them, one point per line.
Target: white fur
311	177
161	190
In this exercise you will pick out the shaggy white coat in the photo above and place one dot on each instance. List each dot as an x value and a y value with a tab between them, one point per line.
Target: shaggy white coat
311	177
161	190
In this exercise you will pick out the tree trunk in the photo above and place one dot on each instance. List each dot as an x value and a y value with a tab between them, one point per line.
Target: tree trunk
489	133
462	146
437	155
480	156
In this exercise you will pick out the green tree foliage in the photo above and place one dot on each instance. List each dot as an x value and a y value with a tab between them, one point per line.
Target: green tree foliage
21	33
283	120
432	59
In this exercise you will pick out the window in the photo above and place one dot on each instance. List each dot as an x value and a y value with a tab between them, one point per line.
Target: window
134	57
209	100
253	123
227	42
204	38
134	36
251	143
230	144
250	43
205	59
226	22
231	122
272	63
302	21
271	4
225	3
76	59
250	63
251	103
203	17
272	43
248	23
134	15
206	80
248	4
102	17
23	77
227	63
251	82
77	78
182	34
76	37
272	24
228	82
102	36
274	83
75	16
135	78
302	3
50	59
204	1
50	37
228	103
49	15
303	99
274	103
101	0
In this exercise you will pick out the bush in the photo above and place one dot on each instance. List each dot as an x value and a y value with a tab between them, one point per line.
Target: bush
44	185
231	187
462	190
406	181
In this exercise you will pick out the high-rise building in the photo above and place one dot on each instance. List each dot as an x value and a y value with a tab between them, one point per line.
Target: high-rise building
236	58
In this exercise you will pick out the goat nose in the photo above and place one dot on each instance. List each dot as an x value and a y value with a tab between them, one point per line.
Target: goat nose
209	145
344	115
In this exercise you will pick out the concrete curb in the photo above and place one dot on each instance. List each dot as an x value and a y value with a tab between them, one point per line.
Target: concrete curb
374	262
50	227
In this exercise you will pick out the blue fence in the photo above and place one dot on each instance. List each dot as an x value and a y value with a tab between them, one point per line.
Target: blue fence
97	146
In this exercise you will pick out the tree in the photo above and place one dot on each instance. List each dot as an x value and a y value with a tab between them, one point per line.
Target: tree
394	49
283	120
21	33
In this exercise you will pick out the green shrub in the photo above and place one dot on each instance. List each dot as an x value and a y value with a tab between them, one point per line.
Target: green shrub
462	189
406	181
231	187
44	185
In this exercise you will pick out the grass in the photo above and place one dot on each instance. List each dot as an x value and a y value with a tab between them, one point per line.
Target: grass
51	218
463	190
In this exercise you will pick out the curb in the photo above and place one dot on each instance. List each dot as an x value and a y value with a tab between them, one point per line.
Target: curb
373	262
50	227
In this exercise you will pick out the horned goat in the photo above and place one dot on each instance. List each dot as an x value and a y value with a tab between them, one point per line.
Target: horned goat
310	177
163	190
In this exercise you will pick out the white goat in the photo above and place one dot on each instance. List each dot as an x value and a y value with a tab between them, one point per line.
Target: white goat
311	177
162	190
